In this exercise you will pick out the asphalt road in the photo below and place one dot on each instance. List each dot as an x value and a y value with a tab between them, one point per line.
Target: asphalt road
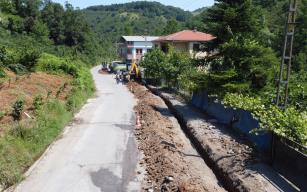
97	152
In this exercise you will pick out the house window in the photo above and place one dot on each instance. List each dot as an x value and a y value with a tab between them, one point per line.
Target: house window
129	51
139	51
196	47
129	43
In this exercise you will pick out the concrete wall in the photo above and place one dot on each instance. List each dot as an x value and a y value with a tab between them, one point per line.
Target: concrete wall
240	120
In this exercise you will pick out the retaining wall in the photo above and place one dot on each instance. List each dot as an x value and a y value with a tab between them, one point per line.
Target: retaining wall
238	119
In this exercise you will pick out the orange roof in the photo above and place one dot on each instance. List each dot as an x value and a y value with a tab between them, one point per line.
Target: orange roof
187	35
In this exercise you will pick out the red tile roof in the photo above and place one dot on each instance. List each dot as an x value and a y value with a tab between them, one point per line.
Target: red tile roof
186	35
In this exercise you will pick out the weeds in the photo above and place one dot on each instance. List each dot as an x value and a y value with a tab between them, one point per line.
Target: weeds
26	141
38	102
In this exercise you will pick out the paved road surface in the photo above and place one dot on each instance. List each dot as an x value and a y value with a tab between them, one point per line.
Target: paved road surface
97	152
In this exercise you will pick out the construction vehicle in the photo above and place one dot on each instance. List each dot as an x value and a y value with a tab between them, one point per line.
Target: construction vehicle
134	72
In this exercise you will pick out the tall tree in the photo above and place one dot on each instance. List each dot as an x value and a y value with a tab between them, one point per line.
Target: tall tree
229	17
53	16
245	63
172	26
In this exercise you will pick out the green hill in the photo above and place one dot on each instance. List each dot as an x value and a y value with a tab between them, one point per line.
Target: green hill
112	21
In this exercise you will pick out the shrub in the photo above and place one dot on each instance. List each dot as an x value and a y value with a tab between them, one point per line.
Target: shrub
18	69
38	102
17	109
29	58
54	64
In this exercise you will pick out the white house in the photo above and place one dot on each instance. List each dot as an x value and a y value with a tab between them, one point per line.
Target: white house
133	48
188	41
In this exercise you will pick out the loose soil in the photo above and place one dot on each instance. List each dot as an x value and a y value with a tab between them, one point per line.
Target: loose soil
170	161
27	87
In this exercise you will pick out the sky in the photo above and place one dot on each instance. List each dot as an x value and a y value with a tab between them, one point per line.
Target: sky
190	5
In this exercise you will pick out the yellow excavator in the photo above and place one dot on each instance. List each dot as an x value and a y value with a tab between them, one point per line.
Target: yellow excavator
134	72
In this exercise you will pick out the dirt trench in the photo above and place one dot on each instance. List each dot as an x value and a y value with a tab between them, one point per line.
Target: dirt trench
170	161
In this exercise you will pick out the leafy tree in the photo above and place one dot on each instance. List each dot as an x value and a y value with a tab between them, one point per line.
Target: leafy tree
300	42
228	18
76	29
7	6
252	62
153	62
52	15
172	26
15	24
176	63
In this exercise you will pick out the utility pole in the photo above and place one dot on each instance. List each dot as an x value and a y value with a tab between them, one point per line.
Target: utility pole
285	65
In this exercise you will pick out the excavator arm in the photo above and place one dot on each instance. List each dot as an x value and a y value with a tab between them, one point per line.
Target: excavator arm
135	70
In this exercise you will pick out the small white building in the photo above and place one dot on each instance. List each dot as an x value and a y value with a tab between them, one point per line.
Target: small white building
133	48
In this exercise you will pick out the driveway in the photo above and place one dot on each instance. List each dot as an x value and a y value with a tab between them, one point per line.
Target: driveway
97	152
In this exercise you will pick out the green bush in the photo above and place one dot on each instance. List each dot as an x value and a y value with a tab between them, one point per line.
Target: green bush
17	109
18	69
52	63
29	59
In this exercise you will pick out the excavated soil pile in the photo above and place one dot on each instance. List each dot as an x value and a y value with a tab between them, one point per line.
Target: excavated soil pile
167	165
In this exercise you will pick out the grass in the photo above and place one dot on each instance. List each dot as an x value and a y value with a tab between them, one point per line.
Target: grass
26	140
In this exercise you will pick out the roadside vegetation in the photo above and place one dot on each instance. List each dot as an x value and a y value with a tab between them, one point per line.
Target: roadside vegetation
244	71
45	54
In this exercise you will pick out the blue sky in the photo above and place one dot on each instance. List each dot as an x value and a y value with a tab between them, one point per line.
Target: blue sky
184	4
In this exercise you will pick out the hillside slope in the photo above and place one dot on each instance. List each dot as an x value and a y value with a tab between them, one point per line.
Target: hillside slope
112	21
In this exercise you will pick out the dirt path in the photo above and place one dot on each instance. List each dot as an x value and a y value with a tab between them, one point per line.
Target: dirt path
171	163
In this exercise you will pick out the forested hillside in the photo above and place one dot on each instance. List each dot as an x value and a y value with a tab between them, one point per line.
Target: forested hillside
136	18
46	26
